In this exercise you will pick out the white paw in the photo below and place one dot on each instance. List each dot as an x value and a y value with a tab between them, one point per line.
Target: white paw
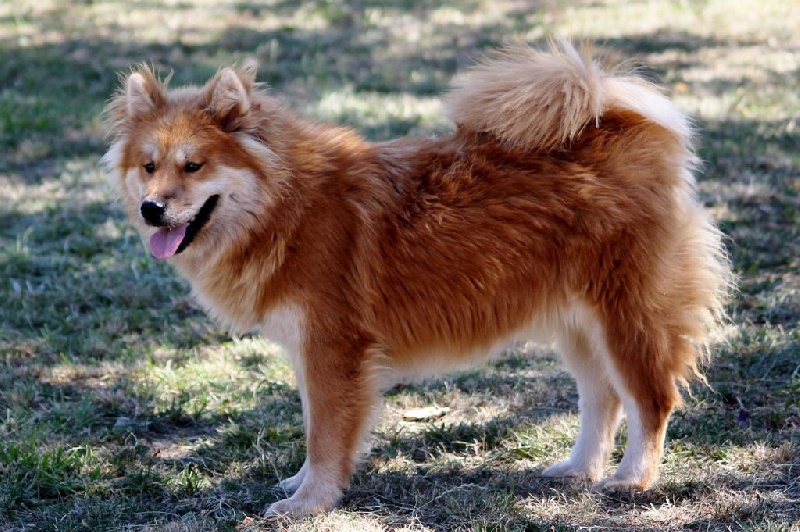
297	506
620	483
292	484
313	496
571	469
287	507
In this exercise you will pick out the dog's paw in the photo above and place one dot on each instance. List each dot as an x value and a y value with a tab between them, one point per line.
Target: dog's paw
620	483
297	506
287	507
293	483
569	469
310	498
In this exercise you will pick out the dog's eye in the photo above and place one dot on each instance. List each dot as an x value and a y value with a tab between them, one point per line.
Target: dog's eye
190	167
150	168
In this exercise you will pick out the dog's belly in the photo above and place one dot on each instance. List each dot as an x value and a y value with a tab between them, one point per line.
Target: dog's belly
286	325
403	368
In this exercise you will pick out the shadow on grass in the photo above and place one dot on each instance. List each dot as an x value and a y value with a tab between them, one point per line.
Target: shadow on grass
85	293
493	495
71	292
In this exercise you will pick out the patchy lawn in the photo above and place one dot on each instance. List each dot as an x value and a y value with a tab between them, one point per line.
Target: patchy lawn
123	407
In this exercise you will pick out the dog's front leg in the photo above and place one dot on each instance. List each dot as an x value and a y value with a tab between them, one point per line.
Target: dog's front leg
338	395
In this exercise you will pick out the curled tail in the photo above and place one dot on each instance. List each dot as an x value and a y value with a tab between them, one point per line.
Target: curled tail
540	100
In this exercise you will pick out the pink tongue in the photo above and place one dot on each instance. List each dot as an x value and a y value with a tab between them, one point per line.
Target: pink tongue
165	242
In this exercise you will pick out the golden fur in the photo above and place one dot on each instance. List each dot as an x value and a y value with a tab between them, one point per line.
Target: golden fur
563	206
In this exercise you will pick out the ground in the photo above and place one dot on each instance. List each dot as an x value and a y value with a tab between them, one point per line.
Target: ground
123	407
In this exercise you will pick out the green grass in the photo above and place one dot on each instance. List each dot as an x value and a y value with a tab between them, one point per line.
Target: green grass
123	407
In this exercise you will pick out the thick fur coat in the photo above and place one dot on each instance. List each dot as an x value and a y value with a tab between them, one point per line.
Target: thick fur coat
563	207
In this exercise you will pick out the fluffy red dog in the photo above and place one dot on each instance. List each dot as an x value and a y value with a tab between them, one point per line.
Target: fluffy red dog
562	207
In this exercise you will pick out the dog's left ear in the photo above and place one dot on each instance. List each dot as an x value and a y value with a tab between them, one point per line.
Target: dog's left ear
228	96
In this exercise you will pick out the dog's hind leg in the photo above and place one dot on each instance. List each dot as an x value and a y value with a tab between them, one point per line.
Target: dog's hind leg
600	409
640	370
340	398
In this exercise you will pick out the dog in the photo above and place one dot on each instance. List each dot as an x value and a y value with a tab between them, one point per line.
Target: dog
562	208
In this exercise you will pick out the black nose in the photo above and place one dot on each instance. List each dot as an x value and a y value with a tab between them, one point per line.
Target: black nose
153	212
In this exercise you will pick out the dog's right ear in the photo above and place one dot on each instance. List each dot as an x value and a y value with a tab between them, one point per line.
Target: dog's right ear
143	92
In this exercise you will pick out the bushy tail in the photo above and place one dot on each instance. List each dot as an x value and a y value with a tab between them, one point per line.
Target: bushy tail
540	100
702	289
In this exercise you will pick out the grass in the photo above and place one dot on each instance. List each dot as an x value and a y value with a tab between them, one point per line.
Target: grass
122	407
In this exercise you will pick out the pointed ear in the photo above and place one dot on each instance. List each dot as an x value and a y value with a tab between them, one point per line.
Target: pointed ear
228	96
143	93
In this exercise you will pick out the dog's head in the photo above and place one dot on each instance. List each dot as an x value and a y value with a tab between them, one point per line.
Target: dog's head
186	162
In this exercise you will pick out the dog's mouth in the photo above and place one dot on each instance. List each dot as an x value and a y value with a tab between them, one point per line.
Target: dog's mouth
169	241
